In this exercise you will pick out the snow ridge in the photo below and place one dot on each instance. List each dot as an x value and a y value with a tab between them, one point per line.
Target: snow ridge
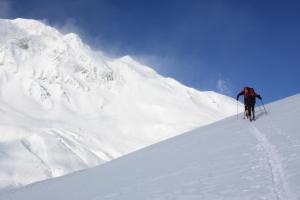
73	107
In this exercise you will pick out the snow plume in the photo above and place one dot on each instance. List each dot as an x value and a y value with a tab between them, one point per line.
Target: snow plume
160	63
96	42
70	26
223	86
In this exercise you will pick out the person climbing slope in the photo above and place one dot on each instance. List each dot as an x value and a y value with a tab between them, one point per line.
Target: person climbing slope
249	101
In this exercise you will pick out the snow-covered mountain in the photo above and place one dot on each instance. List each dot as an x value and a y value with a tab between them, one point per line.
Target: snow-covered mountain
229	160
65	107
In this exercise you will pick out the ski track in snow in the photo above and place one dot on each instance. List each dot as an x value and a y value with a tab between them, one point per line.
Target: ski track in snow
279	184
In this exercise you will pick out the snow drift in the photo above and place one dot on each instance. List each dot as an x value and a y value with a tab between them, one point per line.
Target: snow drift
231	159
65	107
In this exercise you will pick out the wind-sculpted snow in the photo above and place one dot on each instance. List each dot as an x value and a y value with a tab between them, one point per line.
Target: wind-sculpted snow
65	107
230	160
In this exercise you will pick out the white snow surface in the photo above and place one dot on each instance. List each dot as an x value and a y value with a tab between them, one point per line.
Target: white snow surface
231	159
65	107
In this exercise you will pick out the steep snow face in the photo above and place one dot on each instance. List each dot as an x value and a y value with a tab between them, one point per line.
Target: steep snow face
230	160
65	107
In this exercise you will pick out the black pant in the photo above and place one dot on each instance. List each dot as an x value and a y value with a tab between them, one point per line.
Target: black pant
250	108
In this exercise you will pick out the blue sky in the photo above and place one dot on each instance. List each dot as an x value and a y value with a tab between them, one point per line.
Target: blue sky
209	45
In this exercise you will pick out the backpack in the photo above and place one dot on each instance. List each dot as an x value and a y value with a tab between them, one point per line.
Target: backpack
249	92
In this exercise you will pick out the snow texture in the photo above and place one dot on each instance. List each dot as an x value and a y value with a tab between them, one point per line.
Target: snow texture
65	107
231	159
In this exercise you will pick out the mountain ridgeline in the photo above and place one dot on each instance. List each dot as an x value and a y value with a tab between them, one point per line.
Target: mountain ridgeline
65	107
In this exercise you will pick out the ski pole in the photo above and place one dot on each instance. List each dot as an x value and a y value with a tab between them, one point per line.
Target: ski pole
263	106
237	109
261	109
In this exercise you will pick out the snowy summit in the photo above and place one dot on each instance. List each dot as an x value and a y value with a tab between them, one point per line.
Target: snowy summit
65	107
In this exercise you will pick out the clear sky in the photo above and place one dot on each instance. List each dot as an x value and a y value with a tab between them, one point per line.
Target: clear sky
206	44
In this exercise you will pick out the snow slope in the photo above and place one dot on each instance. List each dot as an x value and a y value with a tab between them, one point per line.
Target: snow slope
65	107
230	159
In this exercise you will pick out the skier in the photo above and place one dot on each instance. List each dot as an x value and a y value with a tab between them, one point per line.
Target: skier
249	101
